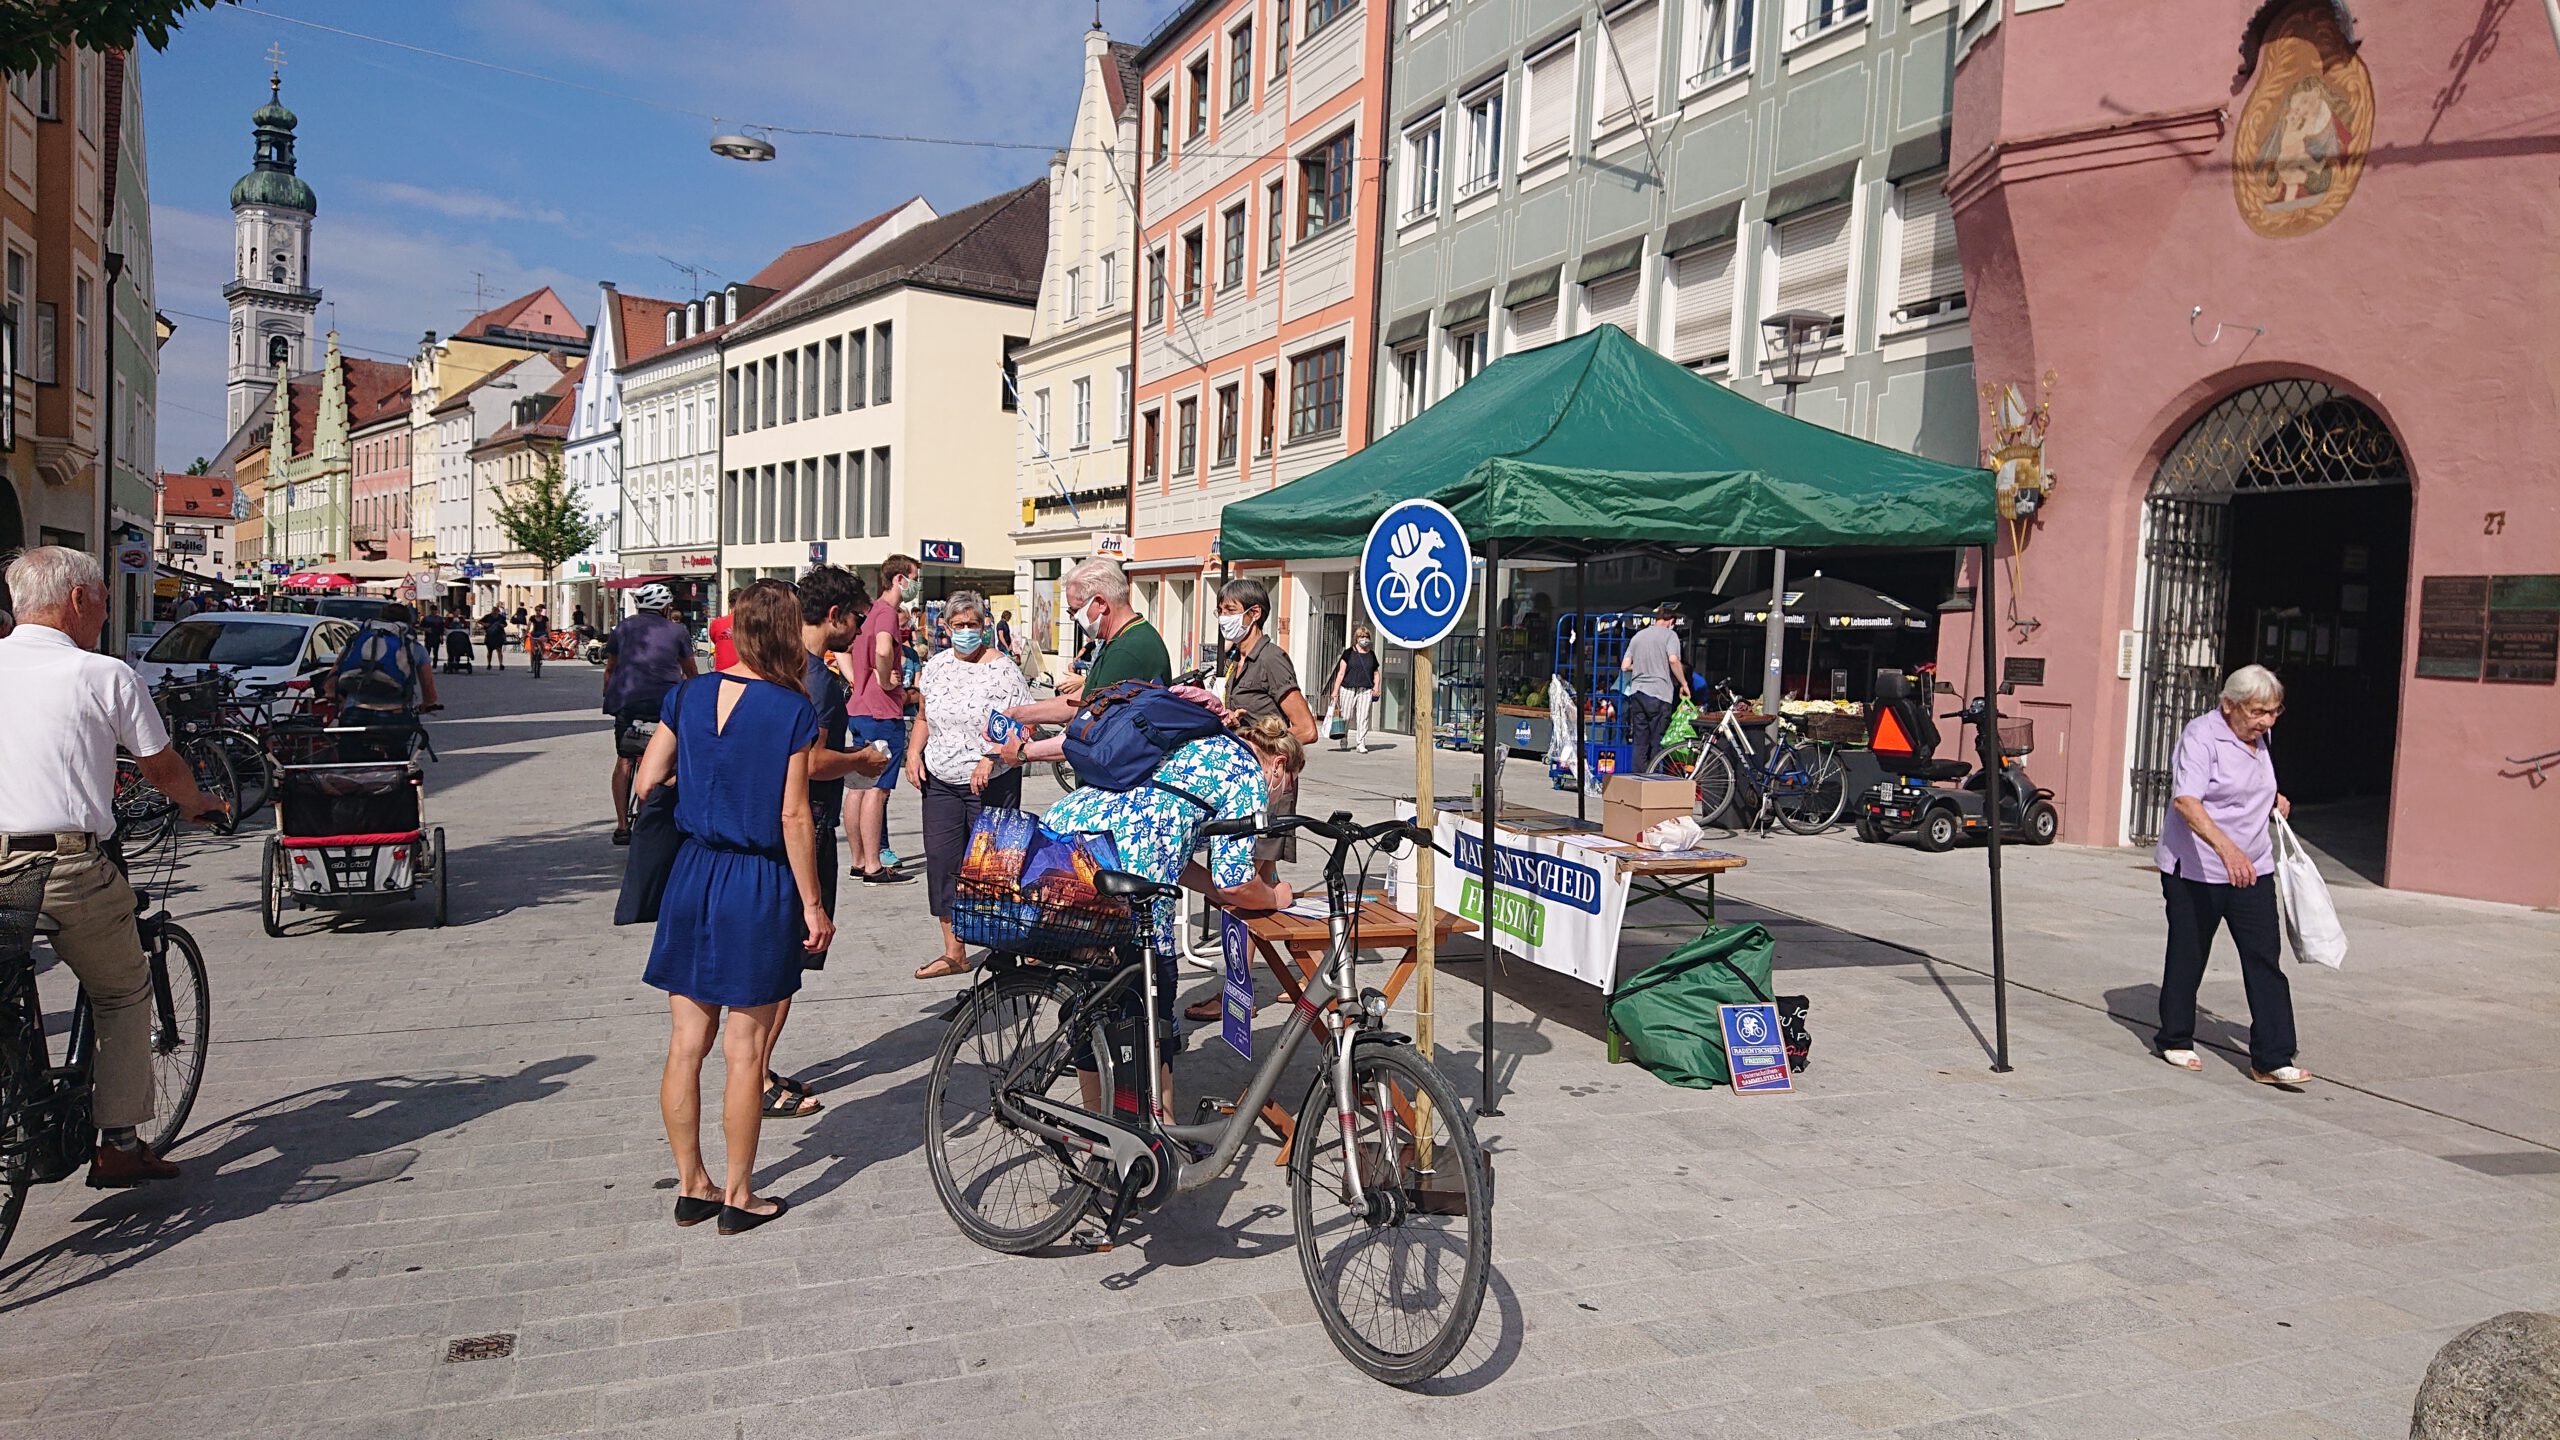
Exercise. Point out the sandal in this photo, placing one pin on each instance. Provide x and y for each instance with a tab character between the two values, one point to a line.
621	835
781	1104
775	1080
943	967
2281	1075
2183	1059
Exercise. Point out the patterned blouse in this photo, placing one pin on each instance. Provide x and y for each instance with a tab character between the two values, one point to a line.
957	696
1153	827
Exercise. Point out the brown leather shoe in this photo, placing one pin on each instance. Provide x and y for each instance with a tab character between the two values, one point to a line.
115	1168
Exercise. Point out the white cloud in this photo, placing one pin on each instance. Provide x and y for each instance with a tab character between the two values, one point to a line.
459	204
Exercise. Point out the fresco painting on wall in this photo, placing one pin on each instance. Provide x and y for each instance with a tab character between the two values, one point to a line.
2305	128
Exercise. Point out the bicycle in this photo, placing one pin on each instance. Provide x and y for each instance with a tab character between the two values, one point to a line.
1799	783
46	1125
1388	1186
220	753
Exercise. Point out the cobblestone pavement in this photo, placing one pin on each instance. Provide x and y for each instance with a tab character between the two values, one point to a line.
410	1136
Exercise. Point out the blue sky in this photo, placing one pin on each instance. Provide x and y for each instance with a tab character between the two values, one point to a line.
435	178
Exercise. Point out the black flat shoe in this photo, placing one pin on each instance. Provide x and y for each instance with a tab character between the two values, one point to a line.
691	1212
734	1221
884	877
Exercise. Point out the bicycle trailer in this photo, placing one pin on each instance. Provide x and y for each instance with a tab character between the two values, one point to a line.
350	823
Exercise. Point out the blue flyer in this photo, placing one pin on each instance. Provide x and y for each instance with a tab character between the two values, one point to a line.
1754	1050
1236	997
1002	727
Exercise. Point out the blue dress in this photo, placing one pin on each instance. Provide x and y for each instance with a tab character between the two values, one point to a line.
729	928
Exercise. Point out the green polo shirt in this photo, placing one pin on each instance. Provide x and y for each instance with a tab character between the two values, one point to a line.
1136	653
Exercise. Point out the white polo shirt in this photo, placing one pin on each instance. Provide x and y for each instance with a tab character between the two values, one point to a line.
63	712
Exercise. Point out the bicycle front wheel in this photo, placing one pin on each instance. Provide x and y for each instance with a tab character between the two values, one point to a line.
180	1032
1400	1278
1813	792
144	817
249	772
215	777
1006	1188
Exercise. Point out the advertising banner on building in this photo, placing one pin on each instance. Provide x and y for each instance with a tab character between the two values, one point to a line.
1555	904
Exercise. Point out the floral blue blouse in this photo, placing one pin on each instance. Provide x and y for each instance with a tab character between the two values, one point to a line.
1153	827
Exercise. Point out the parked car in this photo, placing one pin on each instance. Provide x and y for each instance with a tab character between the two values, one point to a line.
255	647
358	608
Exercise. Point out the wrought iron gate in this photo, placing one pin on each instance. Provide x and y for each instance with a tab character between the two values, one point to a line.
2281	436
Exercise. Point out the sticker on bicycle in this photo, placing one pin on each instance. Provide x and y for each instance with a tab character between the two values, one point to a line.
1755	1050
1415	572
1235	996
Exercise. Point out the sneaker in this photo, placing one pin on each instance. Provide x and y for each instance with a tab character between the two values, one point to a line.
888	858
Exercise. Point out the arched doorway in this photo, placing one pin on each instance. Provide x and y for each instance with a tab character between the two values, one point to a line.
2277	532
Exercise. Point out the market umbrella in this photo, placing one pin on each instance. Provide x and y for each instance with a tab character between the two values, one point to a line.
1825	603
316	580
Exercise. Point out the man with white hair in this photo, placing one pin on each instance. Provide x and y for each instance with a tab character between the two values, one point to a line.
1126	647
69	708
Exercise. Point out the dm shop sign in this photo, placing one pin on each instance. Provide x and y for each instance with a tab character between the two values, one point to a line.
1555	905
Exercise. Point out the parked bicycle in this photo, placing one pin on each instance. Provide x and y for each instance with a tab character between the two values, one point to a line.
1391	1198
46	1126
1793	781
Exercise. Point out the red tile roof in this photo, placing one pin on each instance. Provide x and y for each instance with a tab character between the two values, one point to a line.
1120	80
376	391
204	495
551	422
306	412
640	325
994	250
541	312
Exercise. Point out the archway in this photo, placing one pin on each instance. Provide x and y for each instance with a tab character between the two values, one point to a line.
2277	532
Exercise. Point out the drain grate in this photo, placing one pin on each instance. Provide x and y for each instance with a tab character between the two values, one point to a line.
480	1347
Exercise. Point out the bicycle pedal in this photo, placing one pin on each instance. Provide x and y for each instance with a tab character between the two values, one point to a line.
1209	1106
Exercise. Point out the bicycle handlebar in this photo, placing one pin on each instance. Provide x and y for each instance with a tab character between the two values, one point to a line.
1341	830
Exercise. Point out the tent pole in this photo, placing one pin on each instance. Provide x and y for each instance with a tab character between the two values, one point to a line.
1987	745
1579	670
1491	805
1772	684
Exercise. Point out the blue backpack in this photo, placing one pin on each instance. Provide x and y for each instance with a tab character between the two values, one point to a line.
1124	732
376	668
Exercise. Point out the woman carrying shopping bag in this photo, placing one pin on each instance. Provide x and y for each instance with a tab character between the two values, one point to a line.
2216	866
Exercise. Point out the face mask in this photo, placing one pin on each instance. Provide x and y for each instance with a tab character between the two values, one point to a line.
1362	642
968	639
1231	628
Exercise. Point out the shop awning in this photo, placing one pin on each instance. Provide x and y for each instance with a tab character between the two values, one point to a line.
1598	444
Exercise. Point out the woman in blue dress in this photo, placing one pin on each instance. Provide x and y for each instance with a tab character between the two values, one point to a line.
742	900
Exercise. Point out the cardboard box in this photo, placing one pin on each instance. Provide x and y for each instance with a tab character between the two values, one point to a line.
1634	804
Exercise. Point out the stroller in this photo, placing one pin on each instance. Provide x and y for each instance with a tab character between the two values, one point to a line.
457	650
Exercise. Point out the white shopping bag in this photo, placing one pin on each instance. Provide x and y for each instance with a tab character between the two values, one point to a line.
2310	921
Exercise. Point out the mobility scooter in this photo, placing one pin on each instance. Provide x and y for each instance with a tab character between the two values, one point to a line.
1942	800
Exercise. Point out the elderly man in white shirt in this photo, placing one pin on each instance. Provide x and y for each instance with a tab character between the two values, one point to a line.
68	709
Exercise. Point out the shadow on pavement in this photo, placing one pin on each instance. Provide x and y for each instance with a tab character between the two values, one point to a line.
317	1143
853	1133
2137	1009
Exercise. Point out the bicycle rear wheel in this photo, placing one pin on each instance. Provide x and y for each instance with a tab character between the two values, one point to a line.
1812	791
249	772
21	1086
1713	781
1006	1188
215	777
1400	1280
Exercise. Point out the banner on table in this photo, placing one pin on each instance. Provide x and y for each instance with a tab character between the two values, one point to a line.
1555	905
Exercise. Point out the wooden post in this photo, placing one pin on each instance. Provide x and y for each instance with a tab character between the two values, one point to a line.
1426	917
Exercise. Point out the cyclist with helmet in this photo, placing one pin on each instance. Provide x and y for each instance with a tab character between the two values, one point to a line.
644	657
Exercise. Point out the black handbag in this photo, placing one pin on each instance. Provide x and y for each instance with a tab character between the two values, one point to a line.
652	853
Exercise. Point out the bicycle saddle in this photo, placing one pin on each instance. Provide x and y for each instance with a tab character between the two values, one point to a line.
1123	885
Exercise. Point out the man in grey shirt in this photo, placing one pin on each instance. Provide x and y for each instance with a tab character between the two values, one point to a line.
1655	682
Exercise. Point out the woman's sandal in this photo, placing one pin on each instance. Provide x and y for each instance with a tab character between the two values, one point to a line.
691	1212
783	1100
943	967
734	1221
2183	1059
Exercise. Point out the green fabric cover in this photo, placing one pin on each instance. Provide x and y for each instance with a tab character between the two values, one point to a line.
1598	442
1667	1015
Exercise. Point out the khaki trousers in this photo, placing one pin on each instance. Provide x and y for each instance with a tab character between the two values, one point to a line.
89	899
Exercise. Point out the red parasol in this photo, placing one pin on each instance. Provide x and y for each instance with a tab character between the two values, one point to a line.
316	580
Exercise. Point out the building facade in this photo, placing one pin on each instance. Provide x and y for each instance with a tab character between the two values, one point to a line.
539	322
1075	382
271	296
468	555
379	440
197	516
870	413
629	328
2295	321
501	467
1260	213
133	334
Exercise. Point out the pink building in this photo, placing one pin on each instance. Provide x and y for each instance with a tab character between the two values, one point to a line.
378	444
2284	275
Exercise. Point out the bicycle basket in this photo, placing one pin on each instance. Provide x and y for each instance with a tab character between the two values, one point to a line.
21	899
185	700
2017	737
1025	922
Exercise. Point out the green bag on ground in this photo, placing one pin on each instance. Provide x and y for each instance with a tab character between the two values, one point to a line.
1667	1014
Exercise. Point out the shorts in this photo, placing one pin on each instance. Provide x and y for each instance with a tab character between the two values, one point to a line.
861	730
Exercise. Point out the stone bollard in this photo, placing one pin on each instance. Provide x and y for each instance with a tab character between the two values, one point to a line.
2498	1380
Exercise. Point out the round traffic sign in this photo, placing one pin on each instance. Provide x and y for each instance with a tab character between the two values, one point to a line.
1415	572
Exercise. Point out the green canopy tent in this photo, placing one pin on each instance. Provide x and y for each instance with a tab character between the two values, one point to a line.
1598	446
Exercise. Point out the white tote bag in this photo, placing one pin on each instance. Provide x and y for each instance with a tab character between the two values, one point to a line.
2310	921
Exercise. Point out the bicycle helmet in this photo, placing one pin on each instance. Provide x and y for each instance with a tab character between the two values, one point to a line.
654	597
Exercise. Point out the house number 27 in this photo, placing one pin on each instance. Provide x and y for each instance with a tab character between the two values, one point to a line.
2493	522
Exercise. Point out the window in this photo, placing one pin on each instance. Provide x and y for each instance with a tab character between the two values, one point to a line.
1466	355
1160	111
808	386
1149	460
788	491
1484	142
1267	419
1422	170
791	386
13	298
1075	291
1229	396
809	492
1110	280
1315	393
1083	393
1324	180
833	488
1630	63
1415	10
743	386
1195	267
1548	107
1010	388
1199	99
1413	381
1231	247
48	91
1280	38
854	501
1813	263
1155	287
772	391
1702	294
1120	422
1321	13
690	444
1723	32
1814	17
1533	322
1240	65
83	364
1040	419
767	494
881	348
1612	301
1275	210
1929	280
857	370
880	491
835	387
1186	436
729	503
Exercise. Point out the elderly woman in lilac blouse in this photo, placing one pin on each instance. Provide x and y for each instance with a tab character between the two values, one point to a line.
2216	869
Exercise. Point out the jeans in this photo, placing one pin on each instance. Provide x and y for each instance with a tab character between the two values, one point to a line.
2196	909
1647	717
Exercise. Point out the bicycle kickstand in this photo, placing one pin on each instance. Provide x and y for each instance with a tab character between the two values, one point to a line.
1121	1200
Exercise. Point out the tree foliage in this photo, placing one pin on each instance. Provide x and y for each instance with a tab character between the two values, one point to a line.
34	31
541	517
199	466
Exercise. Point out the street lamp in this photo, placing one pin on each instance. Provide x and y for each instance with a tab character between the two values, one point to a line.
1793	341
741	146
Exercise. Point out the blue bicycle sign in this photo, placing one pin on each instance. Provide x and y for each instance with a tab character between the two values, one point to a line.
1414	573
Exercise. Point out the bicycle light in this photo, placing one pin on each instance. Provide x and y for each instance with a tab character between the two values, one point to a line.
1373	1003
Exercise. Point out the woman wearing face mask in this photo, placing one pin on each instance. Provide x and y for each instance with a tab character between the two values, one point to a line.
1262	684
1354	685
950	761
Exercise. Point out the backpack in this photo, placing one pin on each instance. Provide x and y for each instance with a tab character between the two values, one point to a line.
376	666
1120	736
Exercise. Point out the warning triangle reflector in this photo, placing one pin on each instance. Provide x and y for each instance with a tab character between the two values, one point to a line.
1890	737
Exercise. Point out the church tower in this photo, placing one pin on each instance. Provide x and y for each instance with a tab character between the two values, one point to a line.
271	295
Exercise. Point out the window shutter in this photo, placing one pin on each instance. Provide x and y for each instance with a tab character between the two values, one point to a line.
1550	101
1613	301
1637	30
1813	262
1702	305
1533	322
1930	270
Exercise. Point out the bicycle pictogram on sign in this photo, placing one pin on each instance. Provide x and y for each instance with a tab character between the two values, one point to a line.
1414	573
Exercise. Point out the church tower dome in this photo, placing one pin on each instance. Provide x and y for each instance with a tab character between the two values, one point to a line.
272	299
